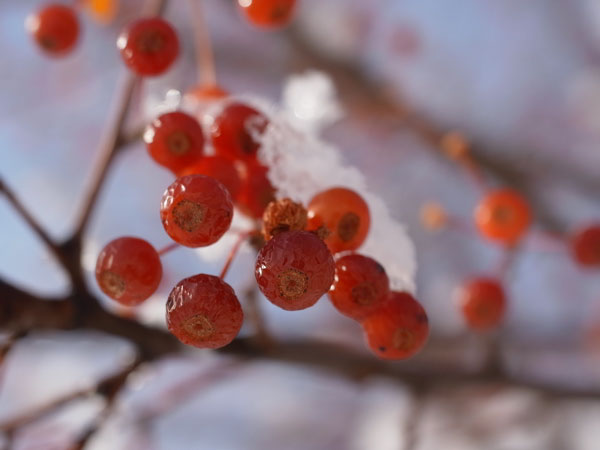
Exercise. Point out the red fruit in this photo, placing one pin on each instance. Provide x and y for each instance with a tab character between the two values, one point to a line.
203	311
256	192
294	270
585	245
221	169
175	140
196	210
55	28
360	286
503	215
268	13
149	46
345	215
398	329
236	131
483	303
128	270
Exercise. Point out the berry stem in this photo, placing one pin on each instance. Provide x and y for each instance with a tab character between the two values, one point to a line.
205	59
167	248
236	246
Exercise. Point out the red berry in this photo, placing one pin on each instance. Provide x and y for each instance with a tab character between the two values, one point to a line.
204	311
221	169
585	245
55	28
256	192
196	210
398	329
294	270
175	140
149	46
345	215
503	215
128	270
268	13
483	303
236	130
360	286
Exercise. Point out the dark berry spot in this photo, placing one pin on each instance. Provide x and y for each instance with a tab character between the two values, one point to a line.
292	283
150	42
198	327
48	42
178	143
364	293
188	215
502	215
279	12
348	226
382	349
422	318
113	284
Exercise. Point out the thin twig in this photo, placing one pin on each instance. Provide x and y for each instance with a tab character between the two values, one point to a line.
236	246
205	58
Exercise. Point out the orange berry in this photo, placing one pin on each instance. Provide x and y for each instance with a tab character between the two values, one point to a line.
503	215
482	302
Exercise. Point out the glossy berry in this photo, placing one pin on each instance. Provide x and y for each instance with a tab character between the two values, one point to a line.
221	169
503	216
128	270
256	191
175	140
196	210
55	28
483	303
398	329
236	131
585	245
344	214
268	13
149	46
360	286
294	269
204	311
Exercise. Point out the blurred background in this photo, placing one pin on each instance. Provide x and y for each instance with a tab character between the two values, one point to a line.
520	79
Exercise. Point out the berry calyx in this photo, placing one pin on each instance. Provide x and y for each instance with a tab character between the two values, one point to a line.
268	13
345	215
236	131
360	286
585	245
175	140
503	215
398	329
128	270
204	311
482	303
256	191
221	169
196	210
54	28
294	270
149	46
283	215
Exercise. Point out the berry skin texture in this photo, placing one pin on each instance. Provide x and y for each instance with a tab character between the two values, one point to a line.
256	192
204	311
149	46
294	269
397	330
235	131
128	270
196	210
360	286
483	303
221	169
345	215
268	13
283	215
175	140
55	29
503	216
585	246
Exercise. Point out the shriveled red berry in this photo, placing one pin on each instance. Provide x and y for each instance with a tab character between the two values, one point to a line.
196	210
398	329
503	215
483	303
175	140
345	215
128	270
283	215
360	286
204	311
221	169
268	13
585	246
256	191
294	270
236	131
149	46
55	28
